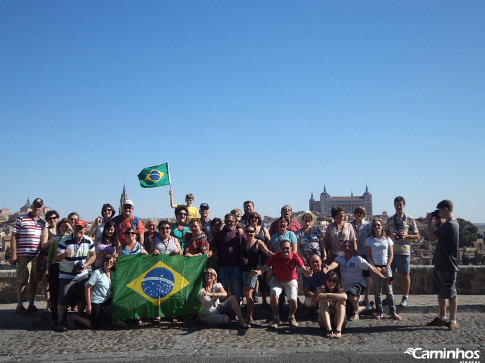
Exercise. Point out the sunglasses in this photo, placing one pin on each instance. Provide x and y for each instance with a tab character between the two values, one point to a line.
51	218
250	231
182	214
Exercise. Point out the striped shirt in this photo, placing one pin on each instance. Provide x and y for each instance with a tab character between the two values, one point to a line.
81	251
27	233
405	224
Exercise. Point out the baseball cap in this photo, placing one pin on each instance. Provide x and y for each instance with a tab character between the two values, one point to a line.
204	206
129	202
80	222
38	201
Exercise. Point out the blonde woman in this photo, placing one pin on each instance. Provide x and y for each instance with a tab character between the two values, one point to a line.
214	312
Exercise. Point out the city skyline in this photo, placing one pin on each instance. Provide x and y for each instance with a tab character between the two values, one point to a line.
266	101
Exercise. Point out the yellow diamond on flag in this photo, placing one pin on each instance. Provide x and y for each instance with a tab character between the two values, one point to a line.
158	283
154	175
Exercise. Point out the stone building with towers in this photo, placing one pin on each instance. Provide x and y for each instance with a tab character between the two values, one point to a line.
123	199
326	202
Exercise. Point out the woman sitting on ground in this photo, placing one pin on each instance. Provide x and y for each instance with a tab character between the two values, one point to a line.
214	312
98	292
332	302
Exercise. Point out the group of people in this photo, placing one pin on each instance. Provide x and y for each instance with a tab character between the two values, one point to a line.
337	265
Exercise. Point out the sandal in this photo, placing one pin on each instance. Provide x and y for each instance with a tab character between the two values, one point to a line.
329	334
395	317
337	334
355	316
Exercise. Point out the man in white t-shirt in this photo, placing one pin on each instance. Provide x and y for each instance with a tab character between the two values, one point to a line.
351	278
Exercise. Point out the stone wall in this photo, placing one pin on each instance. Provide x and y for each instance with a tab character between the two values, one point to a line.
470	282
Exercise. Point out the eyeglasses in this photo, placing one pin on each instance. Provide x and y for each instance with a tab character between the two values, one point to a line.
250	231
128	206
51	218
182	214
165	228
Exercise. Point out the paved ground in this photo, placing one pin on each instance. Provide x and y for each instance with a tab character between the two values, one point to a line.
28	338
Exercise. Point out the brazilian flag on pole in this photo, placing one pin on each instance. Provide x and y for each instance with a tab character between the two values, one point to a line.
154	176
149	286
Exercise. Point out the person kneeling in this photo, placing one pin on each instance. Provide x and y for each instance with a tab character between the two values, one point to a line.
332	301
215	313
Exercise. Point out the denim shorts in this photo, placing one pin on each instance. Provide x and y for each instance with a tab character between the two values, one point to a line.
249	280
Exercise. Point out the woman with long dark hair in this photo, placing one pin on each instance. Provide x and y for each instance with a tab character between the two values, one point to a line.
332	306
107	243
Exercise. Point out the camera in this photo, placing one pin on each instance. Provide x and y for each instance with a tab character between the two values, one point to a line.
398	236
436	214
77	267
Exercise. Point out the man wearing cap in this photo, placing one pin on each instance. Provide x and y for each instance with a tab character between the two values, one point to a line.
204	217
293	226
74	254
29	236
128	220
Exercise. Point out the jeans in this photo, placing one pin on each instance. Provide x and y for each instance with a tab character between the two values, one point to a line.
232	275
380	285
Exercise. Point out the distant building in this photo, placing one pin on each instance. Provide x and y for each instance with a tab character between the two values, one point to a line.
326	202
123	199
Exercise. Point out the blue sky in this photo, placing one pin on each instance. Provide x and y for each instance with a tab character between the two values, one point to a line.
260	100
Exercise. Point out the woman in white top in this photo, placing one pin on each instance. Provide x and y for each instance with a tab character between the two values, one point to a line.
164	243
379	254
214	312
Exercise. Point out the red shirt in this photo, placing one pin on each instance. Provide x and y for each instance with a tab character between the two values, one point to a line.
285	270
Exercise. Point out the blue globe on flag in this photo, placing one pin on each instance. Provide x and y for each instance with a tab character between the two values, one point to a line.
158	283
155	175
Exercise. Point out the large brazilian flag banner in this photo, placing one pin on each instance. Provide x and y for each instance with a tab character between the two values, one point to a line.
148	286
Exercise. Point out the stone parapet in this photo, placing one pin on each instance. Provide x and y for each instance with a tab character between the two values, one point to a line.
469	282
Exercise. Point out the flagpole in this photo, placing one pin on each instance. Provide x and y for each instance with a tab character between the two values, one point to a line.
169	180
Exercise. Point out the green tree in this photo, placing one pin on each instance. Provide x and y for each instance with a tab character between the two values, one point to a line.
8	253
468	233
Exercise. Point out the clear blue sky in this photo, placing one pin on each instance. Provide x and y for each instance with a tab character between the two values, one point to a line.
260	100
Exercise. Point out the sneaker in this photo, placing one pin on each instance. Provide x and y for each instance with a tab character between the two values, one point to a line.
21	310
60	327
32	309
275	323
452	326
385	302
364	302
404	301
438	322
293	322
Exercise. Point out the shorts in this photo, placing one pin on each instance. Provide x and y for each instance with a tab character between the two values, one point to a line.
356	290
219	317
27	269
365	273
444	282
309	303
71	290
249	280
401	264
290	287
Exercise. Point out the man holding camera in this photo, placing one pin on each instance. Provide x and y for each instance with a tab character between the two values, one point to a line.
75	253
402	229
445	261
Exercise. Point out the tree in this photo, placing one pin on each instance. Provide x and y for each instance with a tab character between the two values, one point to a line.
8	253
468	233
